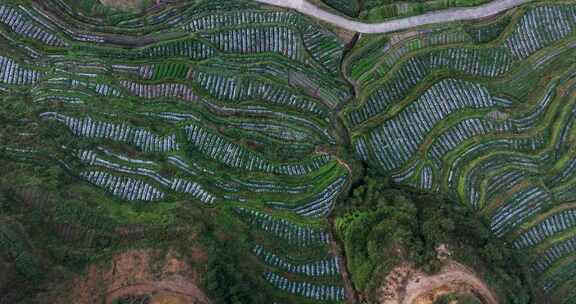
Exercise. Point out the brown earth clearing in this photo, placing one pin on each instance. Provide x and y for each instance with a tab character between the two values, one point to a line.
406	285
164	276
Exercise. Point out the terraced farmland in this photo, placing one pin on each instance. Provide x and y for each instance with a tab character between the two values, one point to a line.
490	124
228	112
265	119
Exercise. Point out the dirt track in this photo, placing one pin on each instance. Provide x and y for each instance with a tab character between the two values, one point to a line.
174	291
478	12
408	286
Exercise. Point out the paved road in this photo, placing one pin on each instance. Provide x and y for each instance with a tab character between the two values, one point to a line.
478	12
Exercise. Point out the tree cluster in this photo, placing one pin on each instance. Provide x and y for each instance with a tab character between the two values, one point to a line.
383	227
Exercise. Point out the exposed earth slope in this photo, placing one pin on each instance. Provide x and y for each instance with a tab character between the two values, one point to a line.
406	285
161	277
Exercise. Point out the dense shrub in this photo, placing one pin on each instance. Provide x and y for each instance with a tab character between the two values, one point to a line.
383	227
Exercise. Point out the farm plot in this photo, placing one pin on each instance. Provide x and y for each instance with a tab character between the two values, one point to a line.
317	271
24	25
14	74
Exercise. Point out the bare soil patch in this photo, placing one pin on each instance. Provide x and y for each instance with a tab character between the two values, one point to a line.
406	285
164	276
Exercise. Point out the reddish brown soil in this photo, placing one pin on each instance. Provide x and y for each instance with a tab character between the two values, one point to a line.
166	277
406	285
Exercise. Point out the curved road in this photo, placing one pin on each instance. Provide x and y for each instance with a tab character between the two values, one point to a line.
477	12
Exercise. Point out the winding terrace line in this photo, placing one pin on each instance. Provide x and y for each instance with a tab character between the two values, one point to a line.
458	14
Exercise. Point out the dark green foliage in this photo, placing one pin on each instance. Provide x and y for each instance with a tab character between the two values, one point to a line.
29	267
78	212
170	70
14	247
370	4
383	227
347	7
483	33
97	9
378	10
227	284
225	280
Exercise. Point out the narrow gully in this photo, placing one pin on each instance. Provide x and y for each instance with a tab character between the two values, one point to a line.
343	142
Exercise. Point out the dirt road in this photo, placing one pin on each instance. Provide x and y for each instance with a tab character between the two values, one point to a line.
408	286
478	12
